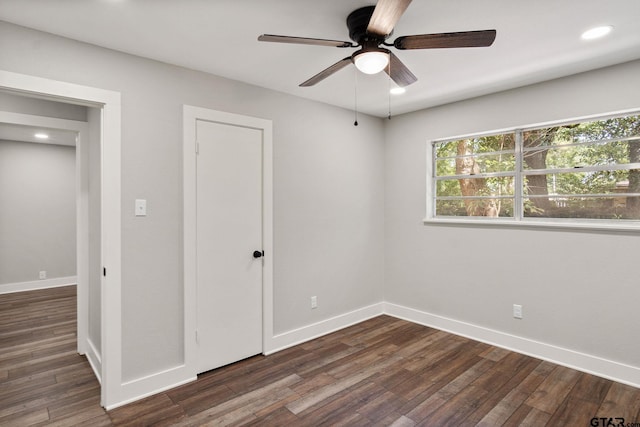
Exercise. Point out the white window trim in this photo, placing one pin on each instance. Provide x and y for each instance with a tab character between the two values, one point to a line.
519	221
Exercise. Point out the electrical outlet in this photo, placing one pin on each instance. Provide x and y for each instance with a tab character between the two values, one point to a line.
517	311
141	207
314	302
43	275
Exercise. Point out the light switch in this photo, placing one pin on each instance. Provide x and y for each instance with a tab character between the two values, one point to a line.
141	207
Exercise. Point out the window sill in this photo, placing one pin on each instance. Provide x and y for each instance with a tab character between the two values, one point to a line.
585	225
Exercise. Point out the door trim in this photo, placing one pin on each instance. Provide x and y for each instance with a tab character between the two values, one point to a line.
109	103
190	115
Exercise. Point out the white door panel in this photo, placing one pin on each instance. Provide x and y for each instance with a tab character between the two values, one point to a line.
229	230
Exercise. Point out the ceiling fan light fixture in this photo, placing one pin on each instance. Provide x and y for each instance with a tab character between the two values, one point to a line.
371	62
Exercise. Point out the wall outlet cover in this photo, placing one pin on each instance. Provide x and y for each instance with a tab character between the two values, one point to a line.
141	207
517	311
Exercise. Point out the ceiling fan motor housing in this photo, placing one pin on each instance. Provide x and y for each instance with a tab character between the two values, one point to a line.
357	22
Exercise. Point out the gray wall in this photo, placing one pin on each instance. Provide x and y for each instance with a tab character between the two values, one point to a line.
328	190
41	107
37	211
579	289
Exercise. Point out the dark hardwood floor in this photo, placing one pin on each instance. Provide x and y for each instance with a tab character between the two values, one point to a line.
380	372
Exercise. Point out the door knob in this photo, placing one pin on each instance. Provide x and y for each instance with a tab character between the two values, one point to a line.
257	254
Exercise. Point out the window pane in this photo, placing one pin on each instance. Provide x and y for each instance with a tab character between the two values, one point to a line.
476	145
614	207
599	142
597	182
561	156
493	186
610	143
504	162
475	207
472	156
591	131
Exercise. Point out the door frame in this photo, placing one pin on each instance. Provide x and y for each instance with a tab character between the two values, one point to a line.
111	391
191	115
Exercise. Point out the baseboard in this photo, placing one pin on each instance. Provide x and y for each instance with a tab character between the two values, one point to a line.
8	288
590	364
95	360
140	388
307	333
158	382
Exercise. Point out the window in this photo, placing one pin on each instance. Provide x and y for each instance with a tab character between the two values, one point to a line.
587	170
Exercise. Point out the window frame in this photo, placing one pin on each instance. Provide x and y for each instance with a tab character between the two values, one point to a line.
519	220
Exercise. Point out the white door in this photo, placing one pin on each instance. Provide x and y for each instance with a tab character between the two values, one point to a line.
229	230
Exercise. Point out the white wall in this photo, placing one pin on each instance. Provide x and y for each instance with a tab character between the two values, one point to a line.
37	212
328	190
579	289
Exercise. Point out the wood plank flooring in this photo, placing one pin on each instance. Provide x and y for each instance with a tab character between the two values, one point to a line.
382	372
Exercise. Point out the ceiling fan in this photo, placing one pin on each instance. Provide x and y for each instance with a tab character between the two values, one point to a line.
369	27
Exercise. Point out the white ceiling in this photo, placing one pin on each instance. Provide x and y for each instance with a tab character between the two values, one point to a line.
537	40
20	133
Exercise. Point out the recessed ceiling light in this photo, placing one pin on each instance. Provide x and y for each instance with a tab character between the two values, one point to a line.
597	32
398	90
41	136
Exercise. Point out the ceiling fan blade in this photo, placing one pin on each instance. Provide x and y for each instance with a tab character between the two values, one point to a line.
399	72
327	72
446	40
386	15
303	40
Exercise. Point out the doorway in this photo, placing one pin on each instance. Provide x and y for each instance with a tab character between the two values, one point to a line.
228	237
72	196
106	106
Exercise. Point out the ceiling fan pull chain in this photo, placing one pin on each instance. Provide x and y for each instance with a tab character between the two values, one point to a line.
389	91
355	95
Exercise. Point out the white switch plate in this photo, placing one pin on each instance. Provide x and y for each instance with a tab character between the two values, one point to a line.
517	311
141	207
314	302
